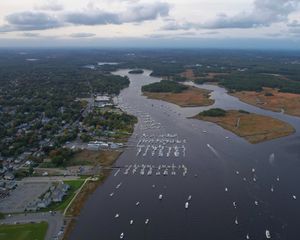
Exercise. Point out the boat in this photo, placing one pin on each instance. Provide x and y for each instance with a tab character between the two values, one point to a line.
234	204
272	189
268	234
160	196
122	236
117	215
247	236
294	197
226	189
189	198
131	222
236	222
256	203
137	203
111	194
186	205
147	221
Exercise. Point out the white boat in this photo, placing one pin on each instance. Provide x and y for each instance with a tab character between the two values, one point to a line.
160	196
294	197
131	222
117	215
236	222
147	221
234	204
272	189
253	170
122	236
247	236
189	198
226	189
111	194
256	203
268	234
137	203
186	205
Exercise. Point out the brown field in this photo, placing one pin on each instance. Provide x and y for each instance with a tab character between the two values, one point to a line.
103	158
193	97
288	103
190	75
254	128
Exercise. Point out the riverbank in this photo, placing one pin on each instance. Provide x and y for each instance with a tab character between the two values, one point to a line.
252	127
272	99
192	97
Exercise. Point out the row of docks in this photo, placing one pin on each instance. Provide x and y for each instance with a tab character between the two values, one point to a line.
162	145
149	170
161	151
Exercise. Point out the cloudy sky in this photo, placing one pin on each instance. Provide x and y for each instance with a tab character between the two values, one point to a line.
151	23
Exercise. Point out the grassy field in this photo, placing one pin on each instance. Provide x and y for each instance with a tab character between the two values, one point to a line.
255	128
273	100
31	231
88	157
193	97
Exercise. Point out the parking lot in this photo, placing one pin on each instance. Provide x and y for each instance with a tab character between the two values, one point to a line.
25	193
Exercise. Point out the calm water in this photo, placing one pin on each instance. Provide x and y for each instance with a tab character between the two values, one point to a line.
216	160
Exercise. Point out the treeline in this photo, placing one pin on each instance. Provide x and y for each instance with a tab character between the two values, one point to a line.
164	86
256	82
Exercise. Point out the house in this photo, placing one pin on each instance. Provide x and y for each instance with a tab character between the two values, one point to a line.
9	176
59	192
45	202
32	206
102	101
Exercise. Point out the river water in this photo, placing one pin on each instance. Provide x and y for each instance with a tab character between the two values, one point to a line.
235	190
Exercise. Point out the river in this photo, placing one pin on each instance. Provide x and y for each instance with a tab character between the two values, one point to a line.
235	190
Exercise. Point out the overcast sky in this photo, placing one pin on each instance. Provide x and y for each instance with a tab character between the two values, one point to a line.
151	23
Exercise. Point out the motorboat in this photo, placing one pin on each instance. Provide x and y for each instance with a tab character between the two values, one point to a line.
247	236
226	189
190	198
234	204
294	197
137	203
122	236
186	205
160	196
131	222
117	215
147	221
236	221
111	194
256	203
272	189
268	234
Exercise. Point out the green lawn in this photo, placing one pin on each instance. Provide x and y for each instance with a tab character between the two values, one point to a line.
31	231
74	186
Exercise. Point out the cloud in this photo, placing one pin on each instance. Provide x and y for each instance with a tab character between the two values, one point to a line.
133	14
82	35
264	13
28	21
294	23
137	12
50	5
30	34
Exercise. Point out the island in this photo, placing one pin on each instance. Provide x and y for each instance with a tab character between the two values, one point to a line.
136	71
179	94
253	127
272	99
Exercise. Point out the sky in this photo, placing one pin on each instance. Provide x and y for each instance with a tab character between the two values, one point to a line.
151	23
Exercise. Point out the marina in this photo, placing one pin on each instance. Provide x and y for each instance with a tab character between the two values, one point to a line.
181	178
